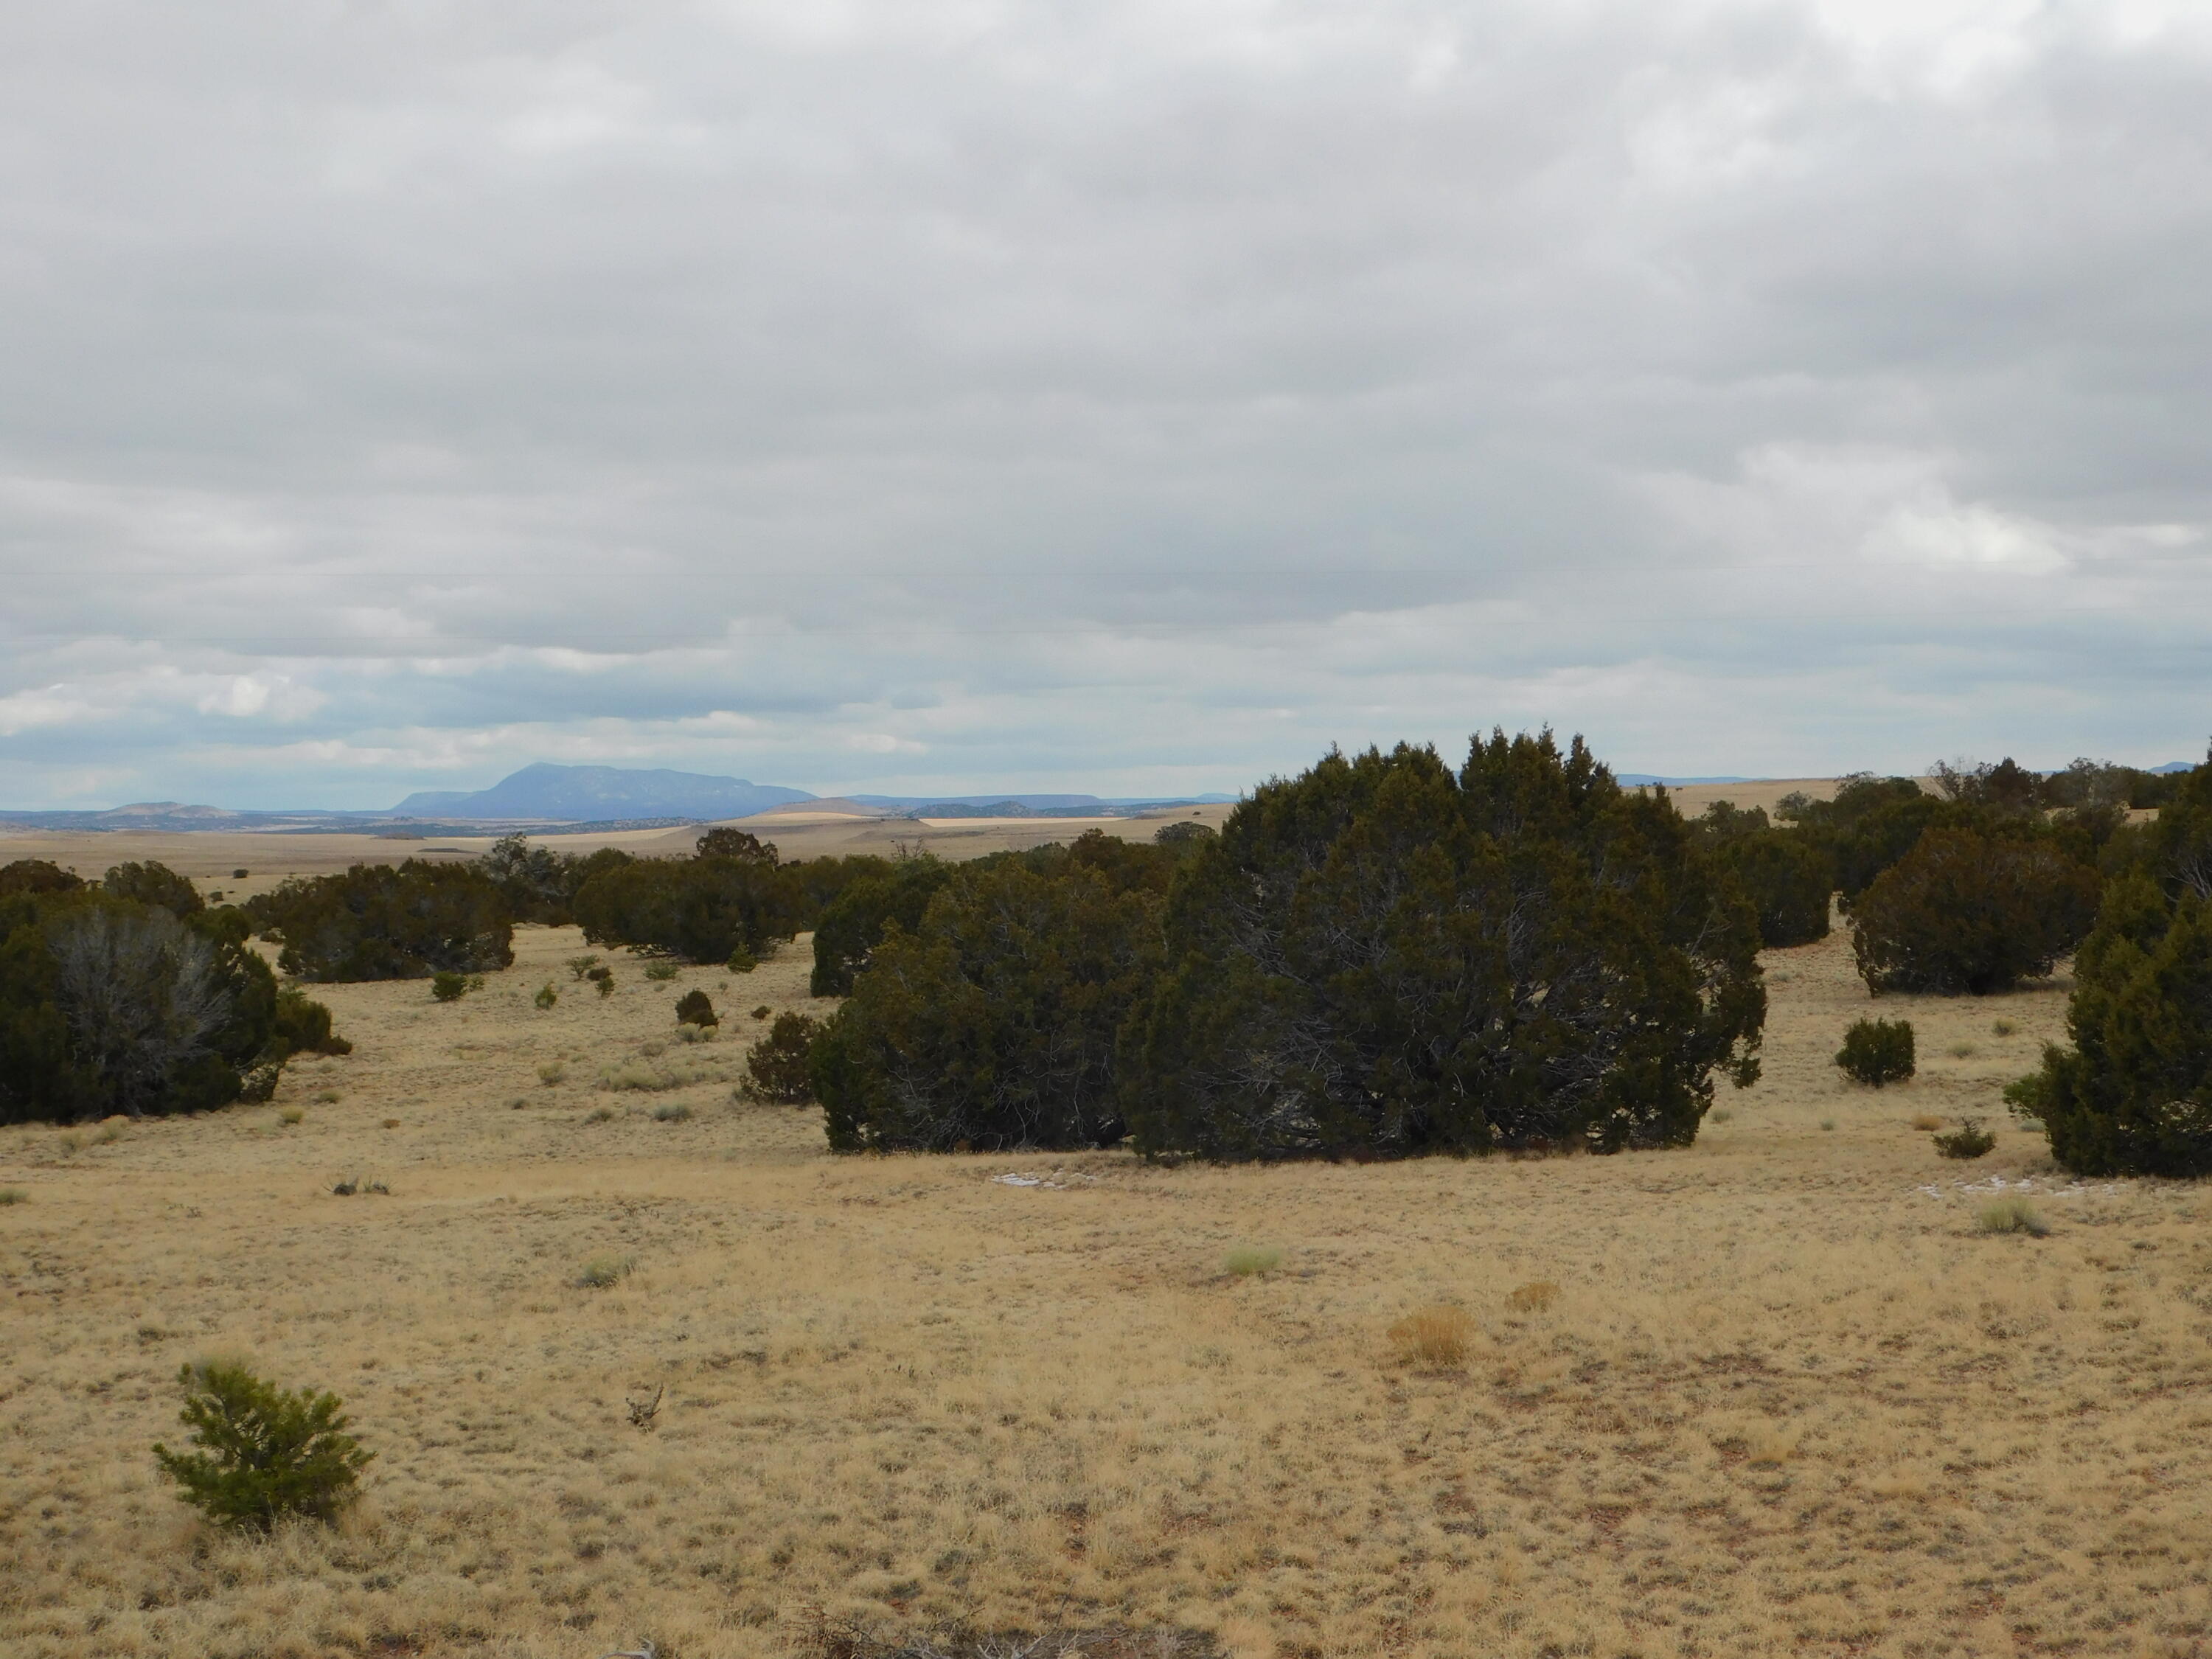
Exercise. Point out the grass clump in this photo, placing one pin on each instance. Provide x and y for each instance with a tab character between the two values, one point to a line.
2001	1028
660	972
352	1184
1969	1139
1877	1052
1249	1260
292	1116
13	1195
1926	1122
1827	1126
1538	1298
264	1453
1720	1115
392	1123
644	1077
674	1111
1437	1339
600	1115
551	1073
2010	1214
603	1272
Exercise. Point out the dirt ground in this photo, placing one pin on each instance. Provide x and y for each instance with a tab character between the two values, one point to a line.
1786	1398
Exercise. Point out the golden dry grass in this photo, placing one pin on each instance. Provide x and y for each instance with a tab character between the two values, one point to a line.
1787	1398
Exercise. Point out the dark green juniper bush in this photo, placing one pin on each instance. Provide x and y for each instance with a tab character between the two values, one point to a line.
263	1453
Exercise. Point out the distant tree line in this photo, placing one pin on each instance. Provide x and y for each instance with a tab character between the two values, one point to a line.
133	996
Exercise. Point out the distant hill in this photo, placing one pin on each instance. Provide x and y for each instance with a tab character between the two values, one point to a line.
546	790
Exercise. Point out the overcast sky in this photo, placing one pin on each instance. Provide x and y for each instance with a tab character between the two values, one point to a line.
1138	396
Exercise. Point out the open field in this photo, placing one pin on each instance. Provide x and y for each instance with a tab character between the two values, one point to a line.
1785	1399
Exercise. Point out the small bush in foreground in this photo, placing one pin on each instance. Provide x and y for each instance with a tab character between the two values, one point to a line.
264	1453
776	1069
604	1272
449	987
1437	1338
695	1008
2010	1215
1969	1139
1876	1051
1247	1261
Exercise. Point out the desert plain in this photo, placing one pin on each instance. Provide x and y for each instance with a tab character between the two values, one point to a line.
1771	1393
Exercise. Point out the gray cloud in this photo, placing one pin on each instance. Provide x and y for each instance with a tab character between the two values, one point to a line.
864	395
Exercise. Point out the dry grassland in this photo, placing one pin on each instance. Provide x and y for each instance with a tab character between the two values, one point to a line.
1784	1399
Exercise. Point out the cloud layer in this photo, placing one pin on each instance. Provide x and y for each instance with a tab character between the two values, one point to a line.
1143	397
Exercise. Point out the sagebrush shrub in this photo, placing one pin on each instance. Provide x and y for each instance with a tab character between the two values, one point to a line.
1969	1139
1876	1051
604	1272
264	1453
661	972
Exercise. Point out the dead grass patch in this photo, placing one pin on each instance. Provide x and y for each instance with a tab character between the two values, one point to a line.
1437	1339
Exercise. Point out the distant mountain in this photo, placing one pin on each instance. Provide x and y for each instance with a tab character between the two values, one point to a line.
545	791
2178	766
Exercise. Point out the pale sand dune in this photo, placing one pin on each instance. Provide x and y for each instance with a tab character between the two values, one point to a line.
1787	1400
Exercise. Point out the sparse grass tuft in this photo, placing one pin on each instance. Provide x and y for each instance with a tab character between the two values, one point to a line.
290	1116
1963	1051
352	1184
1827	1126
1969	1139
1720	1115
2001	1028
1249	1260
13	1195
1534	1299
2010	1214
327	1097
1436	1338
551	1073
392	1123
604	1272
1927	1121
674	1111
601	1115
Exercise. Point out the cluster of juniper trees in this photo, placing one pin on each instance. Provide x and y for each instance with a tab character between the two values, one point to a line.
1380	956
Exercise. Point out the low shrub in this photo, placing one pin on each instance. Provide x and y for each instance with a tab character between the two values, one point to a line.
1534	1299
648	1077
580	966
674	1111
604	1272
1962	1051
1926	1122
1877	1052
302	1026
2010	1214
1247	1261
777	1069
13	1195
392	1123
601	1115
604	982
661	972
449	987
1969	1139
547	996
760	1012
1437	1338
695	1008
352	1184
1827	1126
291	1116
239	875
551	1073
264	1453
2001	1028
